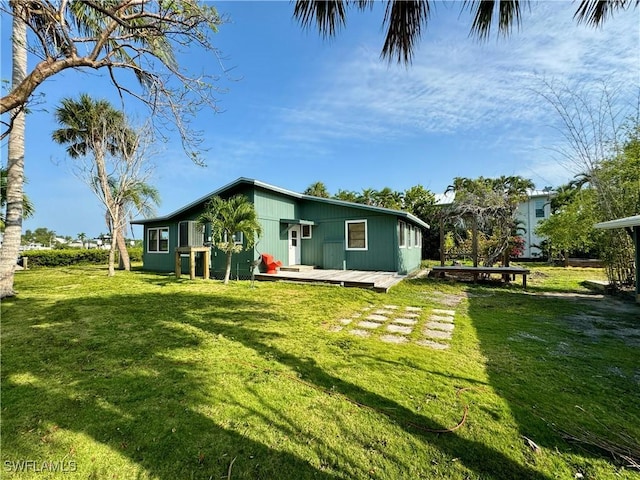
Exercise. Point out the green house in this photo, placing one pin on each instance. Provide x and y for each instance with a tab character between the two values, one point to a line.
297	229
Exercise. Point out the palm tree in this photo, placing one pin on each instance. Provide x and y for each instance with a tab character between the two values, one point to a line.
228	218
94	126
406	19
135	198
82	237
15	158
317	189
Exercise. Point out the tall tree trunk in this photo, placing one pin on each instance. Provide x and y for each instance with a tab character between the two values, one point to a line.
227	272
15	161
112	206
124	260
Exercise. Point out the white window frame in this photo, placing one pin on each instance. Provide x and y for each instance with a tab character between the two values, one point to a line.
346	235
410	236
418	238
302	235
402	234
159	235
541	209
235	241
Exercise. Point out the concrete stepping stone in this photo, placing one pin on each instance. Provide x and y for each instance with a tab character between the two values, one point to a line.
399	329
440	311
434	345
345	321
413	309
377	318
391	307
437	334
411	315
441	318
393	339
446	327
405	321
356	315
384	312
335	328
360	333
370	325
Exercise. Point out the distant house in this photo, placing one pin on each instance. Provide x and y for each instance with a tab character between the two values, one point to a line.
297	230
530	212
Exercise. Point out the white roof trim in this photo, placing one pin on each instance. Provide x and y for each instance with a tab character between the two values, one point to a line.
620	223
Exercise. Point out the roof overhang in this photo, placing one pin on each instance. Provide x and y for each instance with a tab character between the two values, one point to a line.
620	223
294	221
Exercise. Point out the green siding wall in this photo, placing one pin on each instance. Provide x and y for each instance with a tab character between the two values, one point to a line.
325	248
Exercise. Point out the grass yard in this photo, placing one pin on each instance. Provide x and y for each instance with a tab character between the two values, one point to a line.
143	376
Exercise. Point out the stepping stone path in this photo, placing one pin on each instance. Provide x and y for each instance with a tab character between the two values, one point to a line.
400	322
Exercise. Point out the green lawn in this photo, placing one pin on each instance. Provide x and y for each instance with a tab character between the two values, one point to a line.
143	376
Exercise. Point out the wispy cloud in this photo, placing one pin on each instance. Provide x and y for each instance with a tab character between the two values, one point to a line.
457	85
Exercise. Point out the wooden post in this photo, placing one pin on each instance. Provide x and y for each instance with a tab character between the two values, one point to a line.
636	240
206	264
192	264
178	264
474	241
442	259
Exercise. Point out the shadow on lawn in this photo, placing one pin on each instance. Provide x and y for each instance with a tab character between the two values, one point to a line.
126	385
557	377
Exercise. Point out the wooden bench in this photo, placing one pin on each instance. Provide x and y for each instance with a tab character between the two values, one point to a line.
475	271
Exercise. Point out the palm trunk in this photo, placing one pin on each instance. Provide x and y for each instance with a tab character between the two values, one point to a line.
124	260
227	272
15	163
112	207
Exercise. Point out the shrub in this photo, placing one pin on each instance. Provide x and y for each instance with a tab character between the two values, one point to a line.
75	256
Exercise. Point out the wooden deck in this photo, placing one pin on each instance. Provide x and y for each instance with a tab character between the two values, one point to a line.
376	281
475	271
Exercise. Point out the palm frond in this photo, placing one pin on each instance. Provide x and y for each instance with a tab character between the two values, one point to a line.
404	20
595	12
328	16
509	14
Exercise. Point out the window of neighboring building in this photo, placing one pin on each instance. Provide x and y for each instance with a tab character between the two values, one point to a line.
410	236
418	237
402	234
306	231
356	234
158	240
539	208
238	238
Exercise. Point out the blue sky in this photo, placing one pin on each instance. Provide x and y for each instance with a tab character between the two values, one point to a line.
296	109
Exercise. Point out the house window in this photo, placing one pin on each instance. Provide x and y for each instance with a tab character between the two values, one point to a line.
418	237
158	240
190	234
237	237
410	236
539	208
402	235
356	234
306	231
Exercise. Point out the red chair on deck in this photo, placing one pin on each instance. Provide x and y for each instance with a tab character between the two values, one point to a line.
271	264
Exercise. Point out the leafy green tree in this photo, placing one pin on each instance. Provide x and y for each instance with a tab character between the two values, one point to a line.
317	189
346	195
228	218
405	20
570	227
40	235
489	205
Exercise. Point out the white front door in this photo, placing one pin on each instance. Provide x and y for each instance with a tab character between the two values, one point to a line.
294	245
